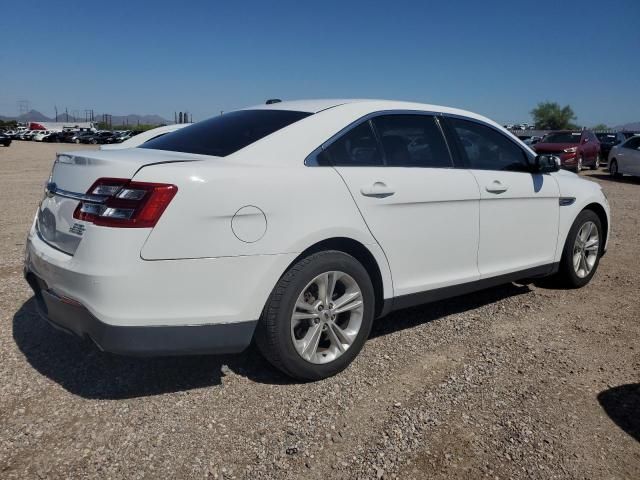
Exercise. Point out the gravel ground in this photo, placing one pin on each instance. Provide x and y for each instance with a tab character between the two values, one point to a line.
520	381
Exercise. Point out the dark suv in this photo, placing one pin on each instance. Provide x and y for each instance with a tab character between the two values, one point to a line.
576	149
607	142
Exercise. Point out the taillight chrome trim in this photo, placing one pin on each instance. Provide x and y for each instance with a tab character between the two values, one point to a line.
52	189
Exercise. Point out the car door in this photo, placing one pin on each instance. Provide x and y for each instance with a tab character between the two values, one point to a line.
629	160
519	210
422	212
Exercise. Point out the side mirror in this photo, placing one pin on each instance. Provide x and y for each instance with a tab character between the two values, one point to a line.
546	163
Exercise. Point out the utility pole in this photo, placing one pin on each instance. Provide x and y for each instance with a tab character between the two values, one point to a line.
66	112
56	109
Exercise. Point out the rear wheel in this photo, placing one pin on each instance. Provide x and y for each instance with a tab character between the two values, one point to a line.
596	164
318	316
582	249
613	168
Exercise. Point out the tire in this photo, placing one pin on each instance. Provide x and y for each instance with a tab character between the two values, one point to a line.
578	165
596	164
76	141
277	331
613	168
568	274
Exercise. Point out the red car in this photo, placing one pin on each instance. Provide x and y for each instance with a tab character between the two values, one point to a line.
576	149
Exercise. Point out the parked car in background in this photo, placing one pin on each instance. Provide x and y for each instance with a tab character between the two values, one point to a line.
5	139
29	134
287	223
101	137
630	134
607	142
624	158
576	149
40	135
140	138
54	137
82	137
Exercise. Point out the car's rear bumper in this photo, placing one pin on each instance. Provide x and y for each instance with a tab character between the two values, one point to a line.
72	317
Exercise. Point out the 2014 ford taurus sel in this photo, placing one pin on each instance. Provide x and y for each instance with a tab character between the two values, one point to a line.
298	223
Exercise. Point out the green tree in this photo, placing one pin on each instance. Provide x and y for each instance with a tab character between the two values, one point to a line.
600	126
551	116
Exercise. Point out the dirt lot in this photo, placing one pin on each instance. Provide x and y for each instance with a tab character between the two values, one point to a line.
514	382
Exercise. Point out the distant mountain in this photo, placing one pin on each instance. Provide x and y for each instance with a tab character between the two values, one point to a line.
633	126
131	119
30	116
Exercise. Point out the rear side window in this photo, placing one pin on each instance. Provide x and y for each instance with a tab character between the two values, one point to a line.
412	141
487	149
357	148
225	134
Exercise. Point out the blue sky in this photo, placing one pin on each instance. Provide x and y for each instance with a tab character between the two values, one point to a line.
498	58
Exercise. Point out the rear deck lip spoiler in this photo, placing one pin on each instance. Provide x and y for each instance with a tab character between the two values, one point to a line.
52	189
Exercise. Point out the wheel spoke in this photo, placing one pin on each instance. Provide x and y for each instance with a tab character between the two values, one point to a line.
323	283
340	335
345	299
583	263
311	345
304	316
349	306
576	261
302	305
592	245
332	278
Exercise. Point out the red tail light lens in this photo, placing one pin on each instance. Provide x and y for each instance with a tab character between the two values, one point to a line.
124	203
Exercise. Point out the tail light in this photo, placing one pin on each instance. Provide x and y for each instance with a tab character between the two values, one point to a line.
116	202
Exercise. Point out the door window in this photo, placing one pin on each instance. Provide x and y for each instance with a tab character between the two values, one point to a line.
412	141
357	148
633	143
487	149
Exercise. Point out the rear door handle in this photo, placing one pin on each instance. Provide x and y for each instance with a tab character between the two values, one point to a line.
497	187
378	190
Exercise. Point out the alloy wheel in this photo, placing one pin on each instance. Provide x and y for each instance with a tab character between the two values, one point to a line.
585	249
327	317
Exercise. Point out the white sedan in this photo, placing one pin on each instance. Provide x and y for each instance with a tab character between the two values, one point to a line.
625	157
297	224
139	139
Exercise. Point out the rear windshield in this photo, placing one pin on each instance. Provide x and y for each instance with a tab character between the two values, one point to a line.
606	137
563	137
225	134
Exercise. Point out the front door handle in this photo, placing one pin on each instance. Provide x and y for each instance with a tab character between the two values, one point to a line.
497	187
378	190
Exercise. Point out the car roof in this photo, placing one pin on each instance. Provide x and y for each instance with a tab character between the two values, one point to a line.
318	105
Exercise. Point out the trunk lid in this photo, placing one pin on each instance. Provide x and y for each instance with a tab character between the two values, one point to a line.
74	173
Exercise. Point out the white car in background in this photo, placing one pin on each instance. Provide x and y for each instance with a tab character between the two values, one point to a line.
40	135
624	158
139	139
297	224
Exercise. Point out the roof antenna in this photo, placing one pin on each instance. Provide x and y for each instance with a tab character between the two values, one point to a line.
271	101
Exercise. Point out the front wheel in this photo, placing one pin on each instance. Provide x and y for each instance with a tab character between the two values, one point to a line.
582	250
579	165
318	316
596	164
613	168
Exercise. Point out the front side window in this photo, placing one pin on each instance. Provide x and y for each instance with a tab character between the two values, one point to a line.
633	143
357	148
223	135
412	141
487	149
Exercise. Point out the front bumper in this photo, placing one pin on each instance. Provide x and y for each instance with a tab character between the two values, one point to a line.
71	317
